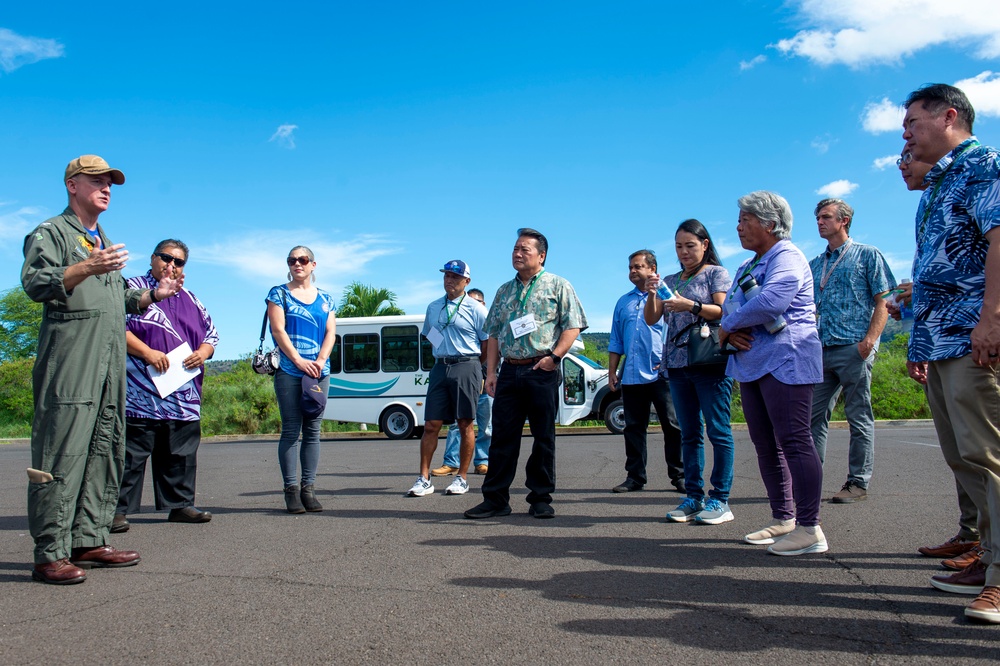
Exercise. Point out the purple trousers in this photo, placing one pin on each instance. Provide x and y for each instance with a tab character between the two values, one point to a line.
779	419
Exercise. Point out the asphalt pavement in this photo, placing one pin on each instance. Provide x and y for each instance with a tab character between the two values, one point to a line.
378	577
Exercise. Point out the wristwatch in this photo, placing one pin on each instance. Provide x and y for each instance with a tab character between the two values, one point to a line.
555	358
696	308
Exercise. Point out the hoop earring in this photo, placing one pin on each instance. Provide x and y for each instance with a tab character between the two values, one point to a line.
289	276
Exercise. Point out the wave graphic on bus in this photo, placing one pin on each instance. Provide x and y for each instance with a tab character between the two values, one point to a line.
340	388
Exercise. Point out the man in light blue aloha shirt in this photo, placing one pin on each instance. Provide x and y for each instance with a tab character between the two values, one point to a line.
849	282
955	343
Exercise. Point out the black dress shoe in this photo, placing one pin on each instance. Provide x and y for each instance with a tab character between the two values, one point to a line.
487	510
543	510
679	486
189	514
627	486
119	524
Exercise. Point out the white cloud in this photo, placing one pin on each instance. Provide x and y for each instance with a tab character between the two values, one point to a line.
883	163
418	294
837	189
983	90
17	51
857	33
821	144
900	266
882	116
725	249
753	62
285	136
15	224
337	262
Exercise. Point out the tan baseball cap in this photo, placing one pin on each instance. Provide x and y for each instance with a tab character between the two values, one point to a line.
92	164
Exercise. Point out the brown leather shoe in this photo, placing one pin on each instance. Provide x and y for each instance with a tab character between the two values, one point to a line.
444	470
849	494
189	514
482	469
986	607
60	572
950	548
969	580
963	560
103	556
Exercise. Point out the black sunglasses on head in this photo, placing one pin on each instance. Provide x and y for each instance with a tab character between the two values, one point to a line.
168	258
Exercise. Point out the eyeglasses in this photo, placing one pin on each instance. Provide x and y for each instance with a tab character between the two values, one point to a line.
301	261
905	159
169	258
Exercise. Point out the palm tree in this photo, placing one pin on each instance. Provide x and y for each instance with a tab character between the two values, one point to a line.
362	300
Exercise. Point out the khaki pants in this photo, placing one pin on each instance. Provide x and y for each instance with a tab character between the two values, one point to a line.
965	401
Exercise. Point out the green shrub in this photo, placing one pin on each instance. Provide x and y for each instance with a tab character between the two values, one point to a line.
16	401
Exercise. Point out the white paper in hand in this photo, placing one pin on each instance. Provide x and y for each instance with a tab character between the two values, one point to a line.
176	375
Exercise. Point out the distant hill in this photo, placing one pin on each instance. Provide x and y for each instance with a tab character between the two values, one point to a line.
213	368
599	340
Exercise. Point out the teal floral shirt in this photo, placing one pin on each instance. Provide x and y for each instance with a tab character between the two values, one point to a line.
549	299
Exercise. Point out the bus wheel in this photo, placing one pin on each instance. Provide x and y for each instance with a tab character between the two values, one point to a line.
614	417
397	423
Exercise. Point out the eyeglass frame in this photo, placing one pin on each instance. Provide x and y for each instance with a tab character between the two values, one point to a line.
905	158
302	260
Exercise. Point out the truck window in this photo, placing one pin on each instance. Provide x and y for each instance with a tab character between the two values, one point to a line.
573	378
361	352
400	348
335	360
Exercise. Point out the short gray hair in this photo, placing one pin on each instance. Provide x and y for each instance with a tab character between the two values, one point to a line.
771	209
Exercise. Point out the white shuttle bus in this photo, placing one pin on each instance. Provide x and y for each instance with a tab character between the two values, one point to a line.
380	367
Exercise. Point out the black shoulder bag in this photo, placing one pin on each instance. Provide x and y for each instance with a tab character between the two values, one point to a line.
266	362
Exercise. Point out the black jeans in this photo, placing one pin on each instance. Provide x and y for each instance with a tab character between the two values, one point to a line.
174	449
636	401
523	393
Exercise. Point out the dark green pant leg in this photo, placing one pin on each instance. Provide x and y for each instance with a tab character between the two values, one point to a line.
98	497
60	444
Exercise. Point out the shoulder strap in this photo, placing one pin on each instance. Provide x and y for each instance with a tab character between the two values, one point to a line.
263	324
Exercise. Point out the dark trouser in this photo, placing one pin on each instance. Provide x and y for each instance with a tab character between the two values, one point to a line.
173	446
778	417
523	393
636	400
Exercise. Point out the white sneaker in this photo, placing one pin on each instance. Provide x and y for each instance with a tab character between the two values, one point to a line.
714	513
458	487
421	487
800	541
777	528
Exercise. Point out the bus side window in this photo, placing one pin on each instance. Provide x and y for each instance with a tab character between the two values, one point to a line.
361	352
399	348
426	354
335	360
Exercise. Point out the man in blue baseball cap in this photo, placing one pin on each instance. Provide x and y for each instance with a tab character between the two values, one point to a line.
456	328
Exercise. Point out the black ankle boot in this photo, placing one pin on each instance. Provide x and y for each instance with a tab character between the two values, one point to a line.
292	502
308	497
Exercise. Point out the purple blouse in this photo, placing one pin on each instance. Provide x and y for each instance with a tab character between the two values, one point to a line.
793	355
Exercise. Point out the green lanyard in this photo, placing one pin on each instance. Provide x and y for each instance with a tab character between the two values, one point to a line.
678	287
531	287
453	312
934	192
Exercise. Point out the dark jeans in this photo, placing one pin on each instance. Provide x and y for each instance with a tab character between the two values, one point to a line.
636	400
778	417
173	446
288	390
523	393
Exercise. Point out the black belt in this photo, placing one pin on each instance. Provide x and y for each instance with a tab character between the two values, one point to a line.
451	360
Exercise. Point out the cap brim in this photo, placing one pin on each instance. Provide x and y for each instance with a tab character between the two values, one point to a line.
117	177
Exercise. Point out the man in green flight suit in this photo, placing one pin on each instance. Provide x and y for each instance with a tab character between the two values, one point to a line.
78	433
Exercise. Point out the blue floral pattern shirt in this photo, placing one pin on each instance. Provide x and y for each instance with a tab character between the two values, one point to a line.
961	205
305	324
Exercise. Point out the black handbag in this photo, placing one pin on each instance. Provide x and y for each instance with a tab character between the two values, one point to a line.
267	362
702	349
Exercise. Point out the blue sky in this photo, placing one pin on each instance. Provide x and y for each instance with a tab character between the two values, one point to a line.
391	137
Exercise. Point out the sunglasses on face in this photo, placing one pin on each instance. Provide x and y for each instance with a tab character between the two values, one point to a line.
301	261
169	258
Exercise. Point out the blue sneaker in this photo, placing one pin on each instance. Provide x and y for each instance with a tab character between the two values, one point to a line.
715	512
686	511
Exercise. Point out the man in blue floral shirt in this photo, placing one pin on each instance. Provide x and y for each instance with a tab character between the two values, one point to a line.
955	343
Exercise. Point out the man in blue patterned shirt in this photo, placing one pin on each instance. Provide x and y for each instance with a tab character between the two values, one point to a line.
849	281
642	384
955	343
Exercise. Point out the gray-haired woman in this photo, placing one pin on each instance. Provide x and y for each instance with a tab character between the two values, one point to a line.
769	315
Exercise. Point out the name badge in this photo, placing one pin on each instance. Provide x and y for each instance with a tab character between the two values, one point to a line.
523	325
435	337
